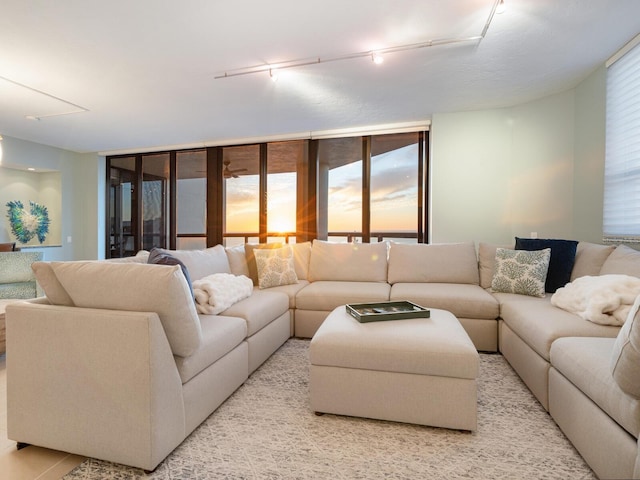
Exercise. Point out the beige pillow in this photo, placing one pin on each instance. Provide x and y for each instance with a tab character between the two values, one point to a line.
275	267
237	260
134	287
622	260
349	262
625	358
201	263
251	259
48	281
434	263
589	259
521	271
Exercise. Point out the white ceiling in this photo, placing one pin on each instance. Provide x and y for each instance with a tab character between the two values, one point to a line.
145	70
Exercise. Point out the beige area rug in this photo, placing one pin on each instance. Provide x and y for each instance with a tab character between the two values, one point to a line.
266	430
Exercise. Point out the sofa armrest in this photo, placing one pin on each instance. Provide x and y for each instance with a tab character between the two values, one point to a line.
99	383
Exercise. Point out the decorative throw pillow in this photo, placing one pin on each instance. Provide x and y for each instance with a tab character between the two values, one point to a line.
275	267
158	256
249	249
563	256
625	357
521	271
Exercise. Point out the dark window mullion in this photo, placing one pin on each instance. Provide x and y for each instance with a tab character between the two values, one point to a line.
366	189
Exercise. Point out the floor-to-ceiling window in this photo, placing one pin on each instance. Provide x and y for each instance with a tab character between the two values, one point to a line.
372	188
364	189
191	199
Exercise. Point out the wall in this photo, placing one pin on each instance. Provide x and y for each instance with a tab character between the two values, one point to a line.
536	167
81	181
25	186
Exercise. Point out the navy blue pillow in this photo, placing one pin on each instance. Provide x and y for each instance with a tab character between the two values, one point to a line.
159	257
563	256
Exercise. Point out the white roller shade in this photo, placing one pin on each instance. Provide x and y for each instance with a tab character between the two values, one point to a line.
622	162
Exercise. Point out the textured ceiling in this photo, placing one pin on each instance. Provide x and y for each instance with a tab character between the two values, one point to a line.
145	70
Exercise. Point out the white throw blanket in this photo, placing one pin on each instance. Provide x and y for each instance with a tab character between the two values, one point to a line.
215	293
604	299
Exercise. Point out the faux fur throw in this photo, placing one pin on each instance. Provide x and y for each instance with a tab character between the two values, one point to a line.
215	293
604	299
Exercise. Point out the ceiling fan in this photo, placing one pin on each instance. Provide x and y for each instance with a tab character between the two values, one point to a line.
228	173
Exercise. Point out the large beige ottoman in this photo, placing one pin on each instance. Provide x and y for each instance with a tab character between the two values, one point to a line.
419	370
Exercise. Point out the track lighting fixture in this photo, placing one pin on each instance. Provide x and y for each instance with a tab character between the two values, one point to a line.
375	55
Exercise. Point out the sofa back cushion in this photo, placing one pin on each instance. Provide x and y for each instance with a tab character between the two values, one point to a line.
625	358
349	262
15	267
622	260
487	262
16	276
201	263
131	287
433	263
589	259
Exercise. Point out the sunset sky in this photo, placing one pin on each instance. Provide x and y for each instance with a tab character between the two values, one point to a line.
393	199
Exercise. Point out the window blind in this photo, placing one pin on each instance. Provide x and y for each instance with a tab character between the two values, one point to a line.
622	158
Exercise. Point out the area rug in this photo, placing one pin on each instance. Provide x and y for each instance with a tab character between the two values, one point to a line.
266	430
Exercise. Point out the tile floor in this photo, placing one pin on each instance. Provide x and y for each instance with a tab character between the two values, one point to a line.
31	463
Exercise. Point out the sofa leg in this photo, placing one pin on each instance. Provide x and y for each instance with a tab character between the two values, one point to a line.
319	414
21	445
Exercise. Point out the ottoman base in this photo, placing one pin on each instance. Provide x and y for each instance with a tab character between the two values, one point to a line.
399	397
417	370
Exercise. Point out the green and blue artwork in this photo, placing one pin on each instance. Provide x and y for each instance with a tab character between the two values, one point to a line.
26	225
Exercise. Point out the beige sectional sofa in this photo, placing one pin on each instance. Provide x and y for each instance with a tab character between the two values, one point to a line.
563	359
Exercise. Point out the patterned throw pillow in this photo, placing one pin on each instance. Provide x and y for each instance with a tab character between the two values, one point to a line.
521	271
275	267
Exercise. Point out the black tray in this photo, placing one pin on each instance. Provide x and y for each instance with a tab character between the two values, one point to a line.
381	311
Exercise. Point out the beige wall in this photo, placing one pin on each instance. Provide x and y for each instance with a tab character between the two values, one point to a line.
536	167
81	195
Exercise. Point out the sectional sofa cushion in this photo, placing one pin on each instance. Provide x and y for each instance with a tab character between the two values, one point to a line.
275	267
623	260
563	256
625	359
463	300
487	262
438	263
327	295
259	309
585	363
539	324
220	335
520	271
134	287
589	259
201	263
348	262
